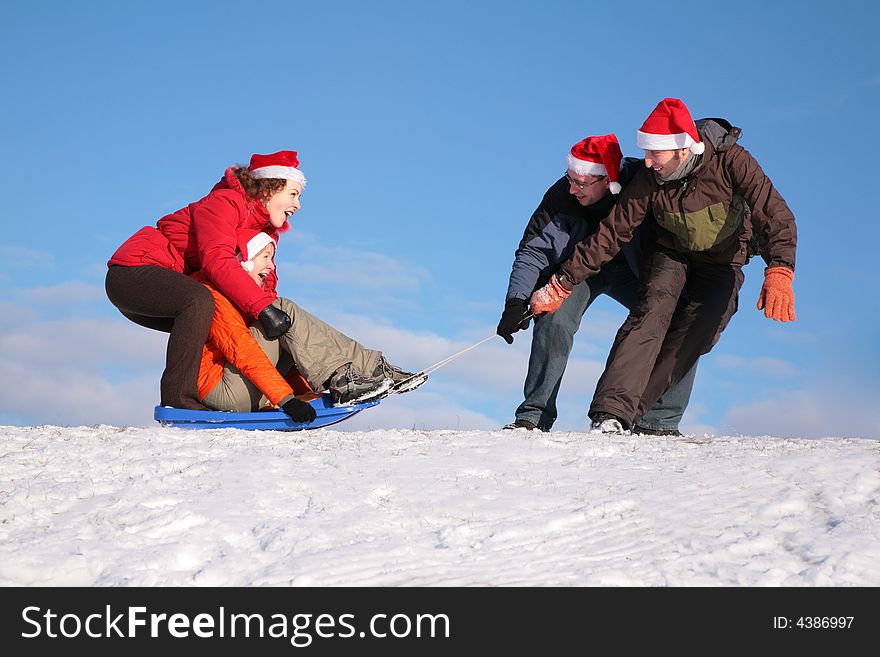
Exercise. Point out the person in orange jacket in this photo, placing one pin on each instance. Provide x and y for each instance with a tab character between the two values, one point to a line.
231	345
242	369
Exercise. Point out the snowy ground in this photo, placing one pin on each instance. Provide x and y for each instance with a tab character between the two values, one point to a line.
111	506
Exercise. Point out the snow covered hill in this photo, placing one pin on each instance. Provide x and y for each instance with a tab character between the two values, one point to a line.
107	506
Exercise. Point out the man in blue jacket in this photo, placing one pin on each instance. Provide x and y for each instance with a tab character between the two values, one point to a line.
569	212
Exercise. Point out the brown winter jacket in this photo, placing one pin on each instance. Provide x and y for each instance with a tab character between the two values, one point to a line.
702	213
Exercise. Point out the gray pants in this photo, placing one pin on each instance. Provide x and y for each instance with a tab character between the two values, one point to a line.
552	341
313	346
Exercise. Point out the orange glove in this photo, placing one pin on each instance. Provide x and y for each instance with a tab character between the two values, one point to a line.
777	297
549	298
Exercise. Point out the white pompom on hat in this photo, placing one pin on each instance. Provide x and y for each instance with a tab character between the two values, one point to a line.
597	156
283	165
250	243
668	128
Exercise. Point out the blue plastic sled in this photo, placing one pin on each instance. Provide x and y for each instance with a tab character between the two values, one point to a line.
275	420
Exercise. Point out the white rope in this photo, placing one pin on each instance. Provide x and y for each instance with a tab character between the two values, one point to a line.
449	359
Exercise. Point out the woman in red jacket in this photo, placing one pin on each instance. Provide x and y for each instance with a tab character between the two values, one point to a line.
147	278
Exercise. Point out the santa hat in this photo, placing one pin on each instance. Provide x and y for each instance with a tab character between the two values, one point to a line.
282	164
250	243
597	156
669	127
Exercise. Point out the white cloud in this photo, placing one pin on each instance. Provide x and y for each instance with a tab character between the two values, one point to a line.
763	365
814	413
84	343
67	396
68	292
345	267
18	256
698	429
15	315
77	371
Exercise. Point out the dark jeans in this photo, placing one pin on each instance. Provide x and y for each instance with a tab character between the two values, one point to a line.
661	340
552	341
163	300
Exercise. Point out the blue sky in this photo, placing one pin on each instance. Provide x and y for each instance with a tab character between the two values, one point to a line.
429	133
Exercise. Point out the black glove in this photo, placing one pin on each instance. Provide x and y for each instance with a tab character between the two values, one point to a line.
298	410
275	322
512	320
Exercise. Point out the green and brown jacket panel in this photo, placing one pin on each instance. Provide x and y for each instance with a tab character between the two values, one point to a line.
704	214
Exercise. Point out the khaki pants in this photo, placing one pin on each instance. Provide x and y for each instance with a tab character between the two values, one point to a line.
314	347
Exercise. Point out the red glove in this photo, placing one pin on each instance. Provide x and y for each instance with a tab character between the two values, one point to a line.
777	297
549	298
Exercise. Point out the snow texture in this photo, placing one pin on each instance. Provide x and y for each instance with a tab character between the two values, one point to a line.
108	506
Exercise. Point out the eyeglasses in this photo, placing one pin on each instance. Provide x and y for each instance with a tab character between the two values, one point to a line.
582	185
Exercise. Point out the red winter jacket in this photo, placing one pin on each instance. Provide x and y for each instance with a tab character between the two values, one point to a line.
202	237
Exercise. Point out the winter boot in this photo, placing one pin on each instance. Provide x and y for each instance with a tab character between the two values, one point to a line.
385	370
403	381
348	386
521	423
608	424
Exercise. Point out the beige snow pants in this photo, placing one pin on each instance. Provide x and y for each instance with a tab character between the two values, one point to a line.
313	346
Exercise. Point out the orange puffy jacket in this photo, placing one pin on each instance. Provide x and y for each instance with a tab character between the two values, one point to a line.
230	340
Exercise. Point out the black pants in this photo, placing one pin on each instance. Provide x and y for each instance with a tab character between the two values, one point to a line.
661	339
163	300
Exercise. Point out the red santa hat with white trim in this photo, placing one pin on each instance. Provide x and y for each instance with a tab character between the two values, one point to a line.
669	127
250	243
597	156
283	165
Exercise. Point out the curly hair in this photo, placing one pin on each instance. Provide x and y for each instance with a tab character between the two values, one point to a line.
260	189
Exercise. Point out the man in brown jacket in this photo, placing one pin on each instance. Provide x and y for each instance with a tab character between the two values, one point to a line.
699	186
